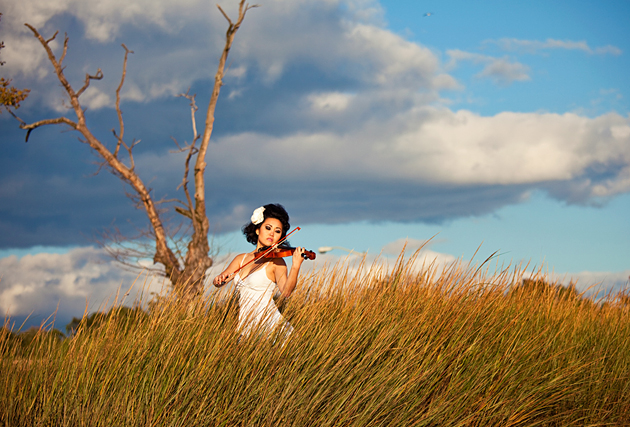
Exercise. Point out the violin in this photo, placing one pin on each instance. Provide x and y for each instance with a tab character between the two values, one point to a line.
267	252
272	252
281	252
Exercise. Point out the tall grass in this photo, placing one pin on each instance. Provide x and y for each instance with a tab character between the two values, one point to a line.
427	347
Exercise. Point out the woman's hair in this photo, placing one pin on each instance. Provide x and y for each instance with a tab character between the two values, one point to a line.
272	210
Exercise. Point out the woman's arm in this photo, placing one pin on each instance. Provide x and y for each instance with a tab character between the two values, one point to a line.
220	280
286	282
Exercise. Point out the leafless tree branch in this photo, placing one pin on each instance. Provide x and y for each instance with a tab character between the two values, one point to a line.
179	148
118	110
185	212
22	122
88	77
225	15
30	127
192	150
186	274
50	39
99	167
65	48
163	254
199	247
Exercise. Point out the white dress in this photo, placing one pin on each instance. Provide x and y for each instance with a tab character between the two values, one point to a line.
256	306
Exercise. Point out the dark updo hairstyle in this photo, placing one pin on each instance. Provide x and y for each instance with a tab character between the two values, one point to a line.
272	210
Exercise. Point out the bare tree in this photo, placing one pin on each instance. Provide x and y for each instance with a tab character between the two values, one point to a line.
185	267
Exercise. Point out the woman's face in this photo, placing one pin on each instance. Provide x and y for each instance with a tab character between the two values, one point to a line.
270	232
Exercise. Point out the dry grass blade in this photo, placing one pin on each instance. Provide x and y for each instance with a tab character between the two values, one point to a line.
373	346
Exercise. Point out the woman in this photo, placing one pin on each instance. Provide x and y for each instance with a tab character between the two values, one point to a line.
257	281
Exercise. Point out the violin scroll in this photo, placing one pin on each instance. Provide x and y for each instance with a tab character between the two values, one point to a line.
283	252
308	255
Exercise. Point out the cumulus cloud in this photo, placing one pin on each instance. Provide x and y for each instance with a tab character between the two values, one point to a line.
103	20
416	165
41	283
389	59
339	38
454	148
353	111
95	31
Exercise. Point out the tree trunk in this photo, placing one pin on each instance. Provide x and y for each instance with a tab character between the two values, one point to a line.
187	279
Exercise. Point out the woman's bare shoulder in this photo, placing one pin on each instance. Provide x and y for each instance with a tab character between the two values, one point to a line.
238	259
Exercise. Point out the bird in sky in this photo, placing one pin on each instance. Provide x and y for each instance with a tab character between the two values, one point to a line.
428	14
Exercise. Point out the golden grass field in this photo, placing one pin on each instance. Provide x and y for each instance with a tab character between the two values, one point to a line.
409	346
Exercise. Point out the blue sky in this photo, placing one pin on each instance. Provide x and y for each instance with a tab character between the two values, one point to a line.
495	125
561	79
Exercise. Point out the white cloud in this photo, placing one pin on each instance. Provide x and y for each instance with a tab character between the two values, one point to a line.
330	101
370	115
237	72
501	70
595	283
37	283
94	98
24	54
511	148
424	257
132	93
444	147
612	50
193	23
35	12
41	283
335	36
359	268
391	60
425	260
533	46
104	19
621	132
505	72
335	40
410	246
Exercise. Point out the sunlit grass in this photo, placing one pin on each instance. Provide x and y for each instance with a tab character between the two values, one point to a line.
412	347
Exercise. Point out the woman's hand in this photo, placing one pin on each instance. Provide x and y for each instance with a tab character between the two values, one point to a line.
229	272
286	282
298	259
220	280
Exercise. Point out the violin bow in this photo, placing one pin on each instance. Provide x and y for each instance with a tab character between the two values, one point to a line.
271	248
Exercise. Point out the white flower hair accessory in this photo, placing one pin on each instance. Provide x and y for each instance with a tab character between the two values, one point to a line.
257	216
